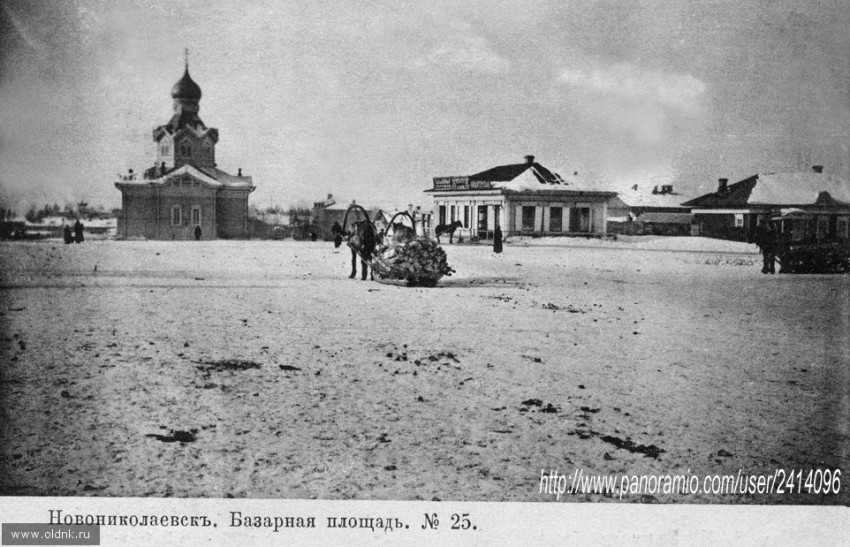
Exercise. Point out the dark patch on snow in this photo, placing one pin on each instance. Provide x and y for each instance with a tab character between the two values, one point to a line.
228	364
178	436
651	451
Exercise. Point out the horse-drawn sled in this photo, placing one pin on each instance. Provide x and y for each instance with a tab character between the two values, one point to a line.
397	256
805	254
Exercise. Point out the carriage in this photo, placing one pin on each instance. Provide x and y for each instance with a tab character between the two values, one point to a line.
799	249
396	256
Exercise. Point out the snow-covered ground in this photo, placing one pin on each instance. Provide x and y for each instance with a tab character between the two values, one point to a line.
286	379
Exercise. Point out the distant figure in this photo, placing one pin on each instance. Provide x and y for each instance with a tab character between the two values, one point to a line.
497	240
313	236
336	230
768	243
78	231
197	233
66	234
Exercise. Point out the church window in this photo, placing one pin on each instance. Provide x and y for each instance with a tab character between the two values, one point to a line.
176	215
196	215
841	227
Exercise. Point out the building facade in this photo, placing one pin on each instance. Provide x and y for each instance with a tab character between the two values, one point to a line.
805	204
639	211
522	199
184	194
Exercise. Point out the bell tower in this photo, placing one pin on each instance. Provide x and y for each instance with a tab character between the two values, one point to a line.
185	139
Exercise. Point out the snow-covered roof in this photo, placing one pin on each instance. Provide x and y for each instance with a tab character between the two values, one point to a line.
516	177
645	198
212	176
52	221
524	181
226	178
798	188
776	189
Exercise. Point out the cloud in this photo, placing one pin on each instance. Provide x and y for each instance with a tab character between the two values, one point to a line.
463	50
680	91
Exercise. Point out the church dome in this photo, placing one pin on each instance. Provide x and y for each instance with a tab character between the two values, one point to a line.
186	88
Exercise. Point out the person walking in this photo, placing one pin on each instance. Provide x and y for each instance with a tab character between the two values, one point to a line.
768	242
66	234
336	230
78	231
198	233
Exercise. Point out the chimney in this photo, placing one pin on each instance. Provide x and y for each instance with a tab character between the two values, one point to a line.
721	187
817	168
529	159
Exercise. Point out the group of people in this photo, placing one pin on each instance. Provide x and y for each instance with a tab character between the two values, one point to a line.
76	237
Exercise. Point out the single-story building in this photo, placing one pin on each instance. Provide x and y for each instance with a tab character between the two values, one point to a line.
665	224
820	200
328	212
522	199
662	203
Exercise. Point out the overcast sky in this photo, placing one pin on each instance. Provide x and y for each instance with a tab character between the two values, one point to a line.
371	99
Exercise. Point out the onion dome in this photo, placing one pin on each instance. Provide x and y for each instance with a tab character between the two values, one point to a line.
186	88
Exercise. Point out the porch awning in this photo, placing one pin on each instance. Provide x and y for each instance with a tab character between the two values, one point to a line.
792	213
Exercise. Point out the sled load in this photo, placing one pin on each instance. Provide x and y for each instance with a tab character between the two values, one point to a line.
402	257
813	257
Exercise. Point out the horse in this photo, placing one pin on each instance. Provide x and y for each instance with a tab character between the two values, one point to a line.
447	229
362	240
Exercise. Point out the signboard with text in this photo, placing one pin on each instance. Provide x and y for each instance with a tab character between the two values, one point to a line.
460	183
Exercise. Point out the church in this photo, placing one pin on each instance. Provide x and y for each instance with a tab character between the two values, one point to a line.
184	195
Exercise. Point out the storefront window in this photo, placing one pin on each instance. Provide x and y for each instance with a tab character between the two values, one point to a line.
556	219
482	218
580	219
528	218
